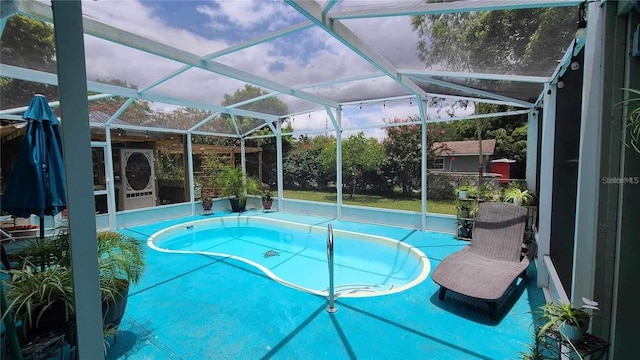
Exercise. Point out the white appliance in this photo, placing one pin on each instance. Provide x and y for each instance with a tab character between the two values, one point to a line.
138	178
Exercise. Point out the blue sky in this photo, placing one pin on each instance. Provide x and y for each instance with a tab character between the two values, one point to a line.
196	15
176	14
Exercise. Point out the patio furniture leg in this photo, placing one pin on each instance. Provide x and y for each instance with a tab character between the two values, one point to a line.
443	290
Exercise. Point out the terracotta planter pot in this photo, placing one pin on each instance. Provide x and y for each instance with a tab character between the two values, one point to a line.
207	205
266	204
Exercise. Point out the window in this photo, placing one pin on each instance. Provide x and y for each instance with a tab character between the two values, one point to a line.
436	164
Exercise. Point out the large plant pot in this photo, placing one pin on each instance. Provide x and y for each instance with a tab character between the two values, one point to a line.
207	205
464	231
113	310
238	205
570	332
54	318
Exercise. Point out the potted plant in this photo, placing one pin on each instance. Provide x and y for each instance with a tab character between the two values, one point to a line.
539	349
121	264
232	183
487	192
462	191
473	192
42	300
40	290
207	201
464	208
570	322
518	196
465	229
267	200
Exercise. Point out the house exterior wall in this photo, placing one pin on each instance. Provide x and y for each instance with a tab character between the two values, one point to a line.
465	163
617	249
626	281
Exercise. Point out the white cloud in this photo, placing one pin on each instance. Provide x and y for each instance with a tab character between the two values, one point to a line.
392	37
329	60
140	19
248	14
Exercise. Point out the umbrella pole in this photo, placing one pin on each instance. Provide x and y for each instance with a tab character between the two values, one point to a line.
41	227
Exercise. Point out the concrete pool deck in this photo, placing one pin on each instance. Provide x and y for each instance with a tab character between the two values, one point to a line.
190	306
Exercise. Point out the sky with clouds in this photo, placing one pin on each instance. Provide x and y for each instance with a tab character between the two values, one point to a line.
306	57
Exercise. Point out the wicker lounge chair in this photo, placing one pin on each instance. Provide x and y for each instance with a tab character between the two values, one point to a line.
493	261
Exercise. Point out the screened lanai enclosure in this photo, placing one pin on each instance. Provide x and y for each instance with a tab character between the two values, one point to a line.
166	94
341	99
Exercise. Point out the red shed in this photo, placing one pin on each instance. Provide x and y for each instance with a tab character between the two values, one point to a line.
502	167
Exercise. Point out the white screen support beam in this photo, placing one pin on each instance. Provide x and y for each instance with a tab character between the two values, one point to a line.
7	10
52	104
473	91
279	167
586	226
546	181
423	164
52	79
111	184
313	11
452	7
76	144
192	193
255	41
339	163
532	150
243	164
235	124
479	76
120	111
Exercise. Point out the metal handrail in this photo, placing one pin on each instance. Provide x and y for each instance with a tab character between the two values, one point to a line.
331	308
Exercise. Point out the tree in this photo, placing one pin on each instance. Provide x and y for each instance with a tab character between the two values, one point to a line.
273	106
304	165
509	132
525	41
359	155
403	147
27	43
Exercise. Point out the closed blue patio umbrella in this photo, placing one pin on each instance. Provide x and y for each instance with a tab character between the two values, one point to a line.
36	184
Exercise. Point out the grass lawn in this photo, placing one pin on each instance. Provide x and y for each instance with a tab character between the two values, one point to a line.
433	206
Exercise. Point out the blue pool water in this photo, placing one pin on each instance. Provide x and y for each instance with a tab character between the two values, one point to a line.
296	255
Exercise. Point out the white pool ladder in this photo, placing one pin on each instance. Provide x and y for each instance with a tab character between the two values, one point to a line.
331	308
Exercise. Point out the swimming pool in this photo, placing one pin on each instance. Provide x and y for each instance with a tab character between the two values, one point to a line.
295	254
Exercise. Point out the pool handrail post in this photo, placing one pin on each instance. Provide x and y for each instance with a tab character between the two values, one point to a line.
331	308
